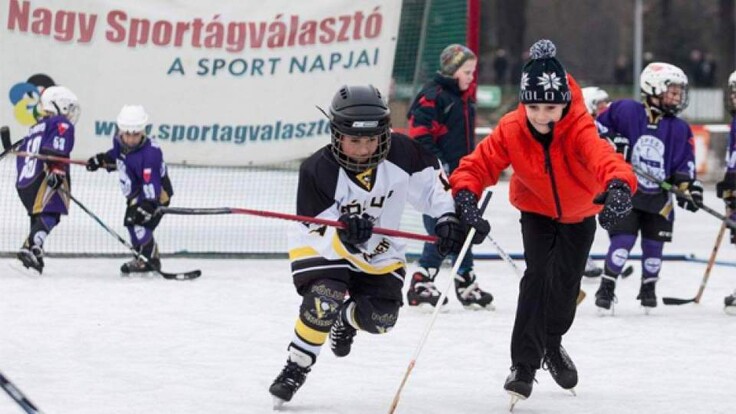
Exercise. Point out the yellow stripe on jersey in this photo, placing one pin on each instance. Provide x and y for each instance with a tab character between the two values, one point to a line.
42	197
360	264
302	253
310	335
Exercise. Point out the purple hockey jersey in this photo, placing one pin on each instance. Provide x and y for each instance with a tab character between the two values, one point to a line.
142	172
50	136
664	148
731	150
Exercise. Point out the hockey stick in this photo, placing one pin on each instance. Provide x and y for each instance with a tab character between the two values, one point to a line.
18	396
7	146
420	345
706	275
52	158
291	217
193	274
506	258
682	194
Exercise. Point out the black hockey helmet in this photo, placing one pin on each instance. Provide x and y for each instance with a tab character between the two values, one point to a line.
360	111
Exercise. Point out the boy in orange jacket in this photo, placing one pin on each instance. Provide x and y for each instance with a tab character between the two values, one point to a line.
560	167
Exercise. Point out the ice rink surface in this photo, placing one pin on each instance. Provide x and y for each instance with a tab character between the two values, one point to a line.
80	339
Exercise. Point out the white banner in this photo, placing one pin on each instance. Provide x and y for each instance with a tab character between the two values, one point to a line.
230	82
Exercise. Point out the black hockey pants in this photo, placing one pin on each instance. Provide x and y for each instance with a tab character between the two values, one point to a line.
555	255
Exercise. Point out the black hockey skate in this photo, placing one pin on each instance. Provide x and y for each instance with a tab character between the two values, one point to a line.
591	269
32	258
422	290
138	266
469	294
605	296
560	366
519	383
341	337
292	377
730	304
647	296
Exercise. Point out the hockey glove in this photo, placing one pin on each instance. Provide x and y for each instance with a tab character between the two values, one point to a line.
101	160
726	190
450	234
470	215
55	178
140	214
358	229
616	201
696	195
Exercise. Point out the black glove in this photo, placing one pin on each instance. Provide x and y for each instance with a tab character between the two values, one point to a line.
358	229
726	190
696	192
140	214
470	215
55	179
450	234
616	202
100	160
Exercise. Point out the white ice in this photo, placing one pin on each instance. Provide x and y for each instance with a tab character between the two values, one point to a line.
82	340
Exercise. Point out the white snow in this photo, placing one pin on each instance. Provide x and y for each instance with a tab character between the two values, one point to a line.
82	340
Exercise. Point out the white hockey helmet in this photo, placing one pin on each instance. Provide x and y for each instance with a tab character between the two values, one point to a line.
59	100
656	78
731	92
132	119
593	96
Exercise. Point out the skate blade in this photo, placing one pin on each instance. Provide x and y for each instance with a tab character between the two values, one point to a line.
603	312
477	307
647	309
572	391
515	398
428	308
142	275
730	310
278	403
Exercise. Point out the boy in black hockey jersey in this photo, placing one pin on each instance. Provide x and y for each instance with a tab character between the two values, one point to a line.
362	178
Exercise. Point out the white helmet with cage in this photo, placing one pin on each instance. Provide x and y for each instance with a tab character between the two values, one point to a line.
594	96
731	92
59	100
132	119
656	79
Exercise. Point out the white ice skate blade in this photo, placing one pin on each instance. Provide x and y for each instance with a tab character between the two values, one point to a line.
572	391
515	397
141	275
730	310
602	312
647	309
476	307
278	403
428	308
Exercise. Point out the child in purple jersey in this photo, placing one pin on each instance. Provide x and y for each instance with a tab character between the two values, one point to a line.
661	144
143	180
43	185
726	189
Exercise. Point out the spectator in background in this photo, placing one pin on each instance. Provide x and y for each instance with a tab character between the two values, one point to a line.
622	71
442	119
702	68
501	66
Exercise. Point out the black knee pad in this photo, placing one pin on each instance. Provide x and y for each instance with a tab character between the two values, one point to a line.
376	315
321	303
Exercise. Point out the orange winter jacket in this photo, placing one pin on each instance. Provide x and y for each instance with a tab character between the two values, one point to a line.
560	182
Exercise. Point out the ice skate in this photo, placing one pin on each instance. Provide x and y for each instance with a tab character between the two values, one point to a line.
32	258
605	298
341	337
469	294
139	267
519	384
591	269
560	366
647	295
729	303
422	291
292	377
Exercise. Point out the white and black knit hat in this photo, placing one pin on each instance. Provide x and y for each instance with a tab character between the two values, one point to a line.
543	79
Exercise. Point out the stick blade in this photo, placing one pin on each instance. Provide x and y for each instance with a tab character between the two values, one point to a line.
677	301
5	137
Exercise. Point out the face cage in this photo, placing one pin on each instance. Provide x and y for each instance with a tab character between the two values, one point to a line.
731	97
673	110
126	149
384	144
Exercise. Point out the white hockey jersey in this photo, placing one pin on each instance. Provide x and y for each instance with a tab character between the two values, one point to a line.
326	190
